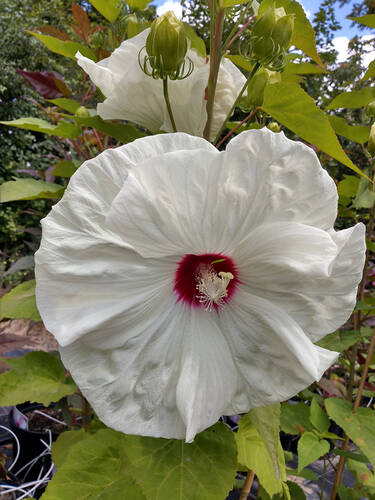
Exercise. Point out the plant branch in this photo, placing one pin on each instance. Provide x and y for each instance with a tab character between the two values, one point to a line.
236	35
215	58
253	71
167	102
236	127
235	27
247	486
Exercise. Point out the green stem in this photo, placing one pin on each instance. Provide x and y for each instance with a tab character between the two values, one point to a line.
215	58
235	27
253	71
167	102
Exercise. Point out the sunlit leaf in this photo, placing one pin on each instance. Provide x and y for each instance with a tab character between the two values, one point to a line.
64	48
36	377
29	189
367	20
295	418
318	418
196	42
370	73
310	448
355	133
353	99
64	168
63	129
110	9
291	106
120	131
66	104
20	303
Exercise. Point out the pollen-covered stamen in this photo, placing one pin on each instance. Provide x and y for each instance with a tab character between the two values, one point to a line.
213	287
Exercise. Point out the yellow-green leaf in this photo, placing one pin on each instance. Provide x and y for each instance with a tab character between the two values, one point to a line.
354	99
110	9
291	106
29	189
63	129
20	303
370	73
64	48
367	20
355	133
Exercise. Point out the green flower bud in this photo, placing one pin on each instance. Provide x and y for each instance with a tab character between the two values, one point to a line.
166	46
82	112
274	127
371	141
283	31
256	87
370	108
265	24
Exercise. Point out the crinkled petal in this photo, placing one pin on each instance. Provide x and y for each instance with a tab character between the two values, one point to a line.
289	178
309	273
272	353
171	378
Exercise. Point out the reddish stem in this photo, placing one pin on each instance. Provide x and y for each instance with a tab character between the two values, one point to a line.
238	33
236	128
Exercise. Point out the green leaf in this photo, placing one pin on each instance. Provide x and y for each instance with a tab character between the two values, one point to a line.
63	129
354	99
122	132
367	20
253	454
291	106
370	73
61	447
358	457
365	197
110	9
67	104
318	418
64	168
303	34
339	341
36	377
295	418
196	42
29	189
104	465
232	3
64	48
240	61
138	4
20	302
364	477
296	492
302	69
310	448
348	186
347	493
359	426
356	133
266	420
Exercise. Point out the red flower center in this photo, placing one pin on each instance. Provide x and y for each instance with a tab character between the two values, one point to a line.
207	280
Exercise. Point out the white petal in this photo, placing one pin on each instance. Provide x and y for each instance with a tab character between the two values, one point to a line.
289	178
311	274
274	356
171	379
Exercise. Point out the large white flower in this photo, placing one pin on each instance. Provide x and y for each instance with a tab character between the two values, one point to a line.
134	96
184	283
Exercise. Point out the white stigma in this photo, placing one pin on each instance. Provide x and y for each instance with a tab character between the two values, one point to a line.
213	287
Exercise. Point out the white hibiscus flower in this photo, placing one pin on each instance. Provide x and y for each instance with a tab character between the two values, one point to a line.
132	95
184	283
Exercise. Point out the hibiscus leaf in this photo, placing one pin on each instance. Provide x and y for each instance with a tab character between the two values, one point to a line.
48	84
266	420
64	168
353	99
340	340
356	133
367	20
110	9
370	73
20	303
67	104
64	48
122	132
290	105
302	69
138	4
196	42
310	448
295	418
36	377
61	448
63	129
253	454
303	34
359	426
113	465
29	189
318	418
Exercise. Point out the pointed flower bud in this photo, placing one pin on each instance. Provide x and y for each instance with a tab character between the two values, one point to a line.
256	87
82	112
274	127
283	31
371	141
370	108
166	46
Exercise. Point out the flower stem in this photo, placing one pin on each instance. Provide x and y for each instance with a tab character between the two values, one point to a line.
215	58
236	128
253	71
236	35
247	486
167	102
